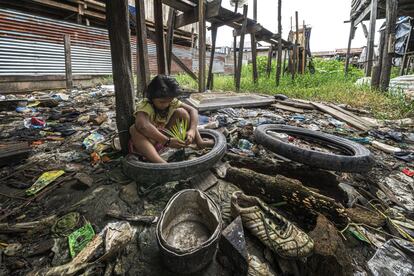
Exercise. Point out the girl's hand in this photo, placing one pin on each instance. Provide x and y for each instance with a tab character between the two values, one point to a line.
176	144
190	136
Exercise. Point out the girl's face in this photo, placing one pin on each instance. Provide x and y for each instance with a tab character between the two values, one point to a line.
162	103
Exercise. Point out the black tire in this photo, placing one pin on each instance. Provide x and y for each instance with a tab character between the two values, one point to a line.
359	159
159	173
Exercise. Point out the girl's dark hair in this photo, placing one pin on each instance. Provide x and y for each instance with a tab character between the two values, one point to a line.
163	86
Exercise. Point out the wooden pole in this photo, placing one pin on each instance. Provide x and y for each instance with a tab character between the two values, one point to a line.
234	48
117	18
159	35
297	65
241	47
254	57
68	62
348	51
254	45
201	47
170	37
279	42
391	15
376	73
371	37
304	48
143	71
284	62
404	59
210	77
269	61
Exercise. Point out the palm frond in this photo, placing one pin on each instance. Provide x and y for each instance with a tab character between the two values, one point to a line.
179	130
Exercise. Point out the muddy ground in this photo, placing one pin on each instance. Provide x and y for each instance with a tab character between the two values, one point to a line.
338	250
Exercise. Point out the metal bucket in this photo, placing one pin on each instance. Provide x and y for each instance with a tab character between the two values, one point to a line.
188	231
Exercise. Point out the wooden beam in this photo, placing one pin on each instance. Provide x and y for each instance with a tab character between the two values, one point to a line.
279	46
269	61
119	36
348	51
201	46
184	67
159	35
254	57
234	47
143	70
170	37
362	16
241	47
68	62
371	38
235	19
178	5
251	29
391	14
211	10
210	77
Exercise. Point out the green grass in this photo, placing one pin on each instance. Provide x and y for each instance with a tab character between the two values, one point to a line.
327	84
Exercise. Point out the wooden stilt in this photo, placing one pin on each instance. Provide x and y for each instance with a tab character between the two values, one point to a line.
210	77
348	51
254	57
159	35
170	37
241	47
234	49
201	47
68	62
391	15
279	42
297	65
269	61
284	62
376	74
371	38
182	65
143	71
117	17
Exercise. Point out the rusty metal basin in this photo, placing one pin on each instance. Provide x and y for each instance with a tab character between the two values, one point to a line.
188	231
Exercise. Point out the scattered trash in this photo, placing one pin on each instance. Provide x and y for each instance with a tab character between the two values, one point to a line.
44	180
66	224
408	172
93	139
244	144
395	257
80	238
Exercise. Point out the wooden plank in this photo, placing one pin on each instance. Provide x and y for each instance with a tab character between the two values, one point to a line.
296	104
371	38
355	117
362	16
404	60
340	116
241	47
159	35
210	77
254	57
234	19
391	14
184	67
143	70
170	37
348	51
250	29
68	62
119	36
201	46
212	9
287	108
279	44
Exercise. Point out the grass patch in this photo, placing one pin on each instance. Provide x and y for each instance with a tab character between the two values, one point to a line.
328	84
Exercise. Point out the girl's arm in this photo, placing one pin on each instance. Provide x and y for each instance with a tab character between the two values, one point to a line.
144	126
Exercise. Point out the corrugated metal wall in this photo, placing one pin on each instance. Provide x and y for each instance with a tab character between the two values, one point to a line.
33	46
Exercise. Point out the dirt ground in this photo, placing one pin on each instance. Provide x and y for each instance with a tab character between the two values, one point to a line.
94	186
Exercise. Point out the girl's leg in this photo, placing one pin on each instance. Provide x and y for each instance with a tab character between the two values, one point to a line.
144	147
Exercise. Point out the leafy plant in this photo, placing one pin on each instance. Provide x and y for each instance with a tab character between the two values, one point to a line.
179	130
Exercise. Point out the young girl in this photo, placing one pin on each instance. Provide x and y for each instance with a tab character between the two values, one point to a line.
161	110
